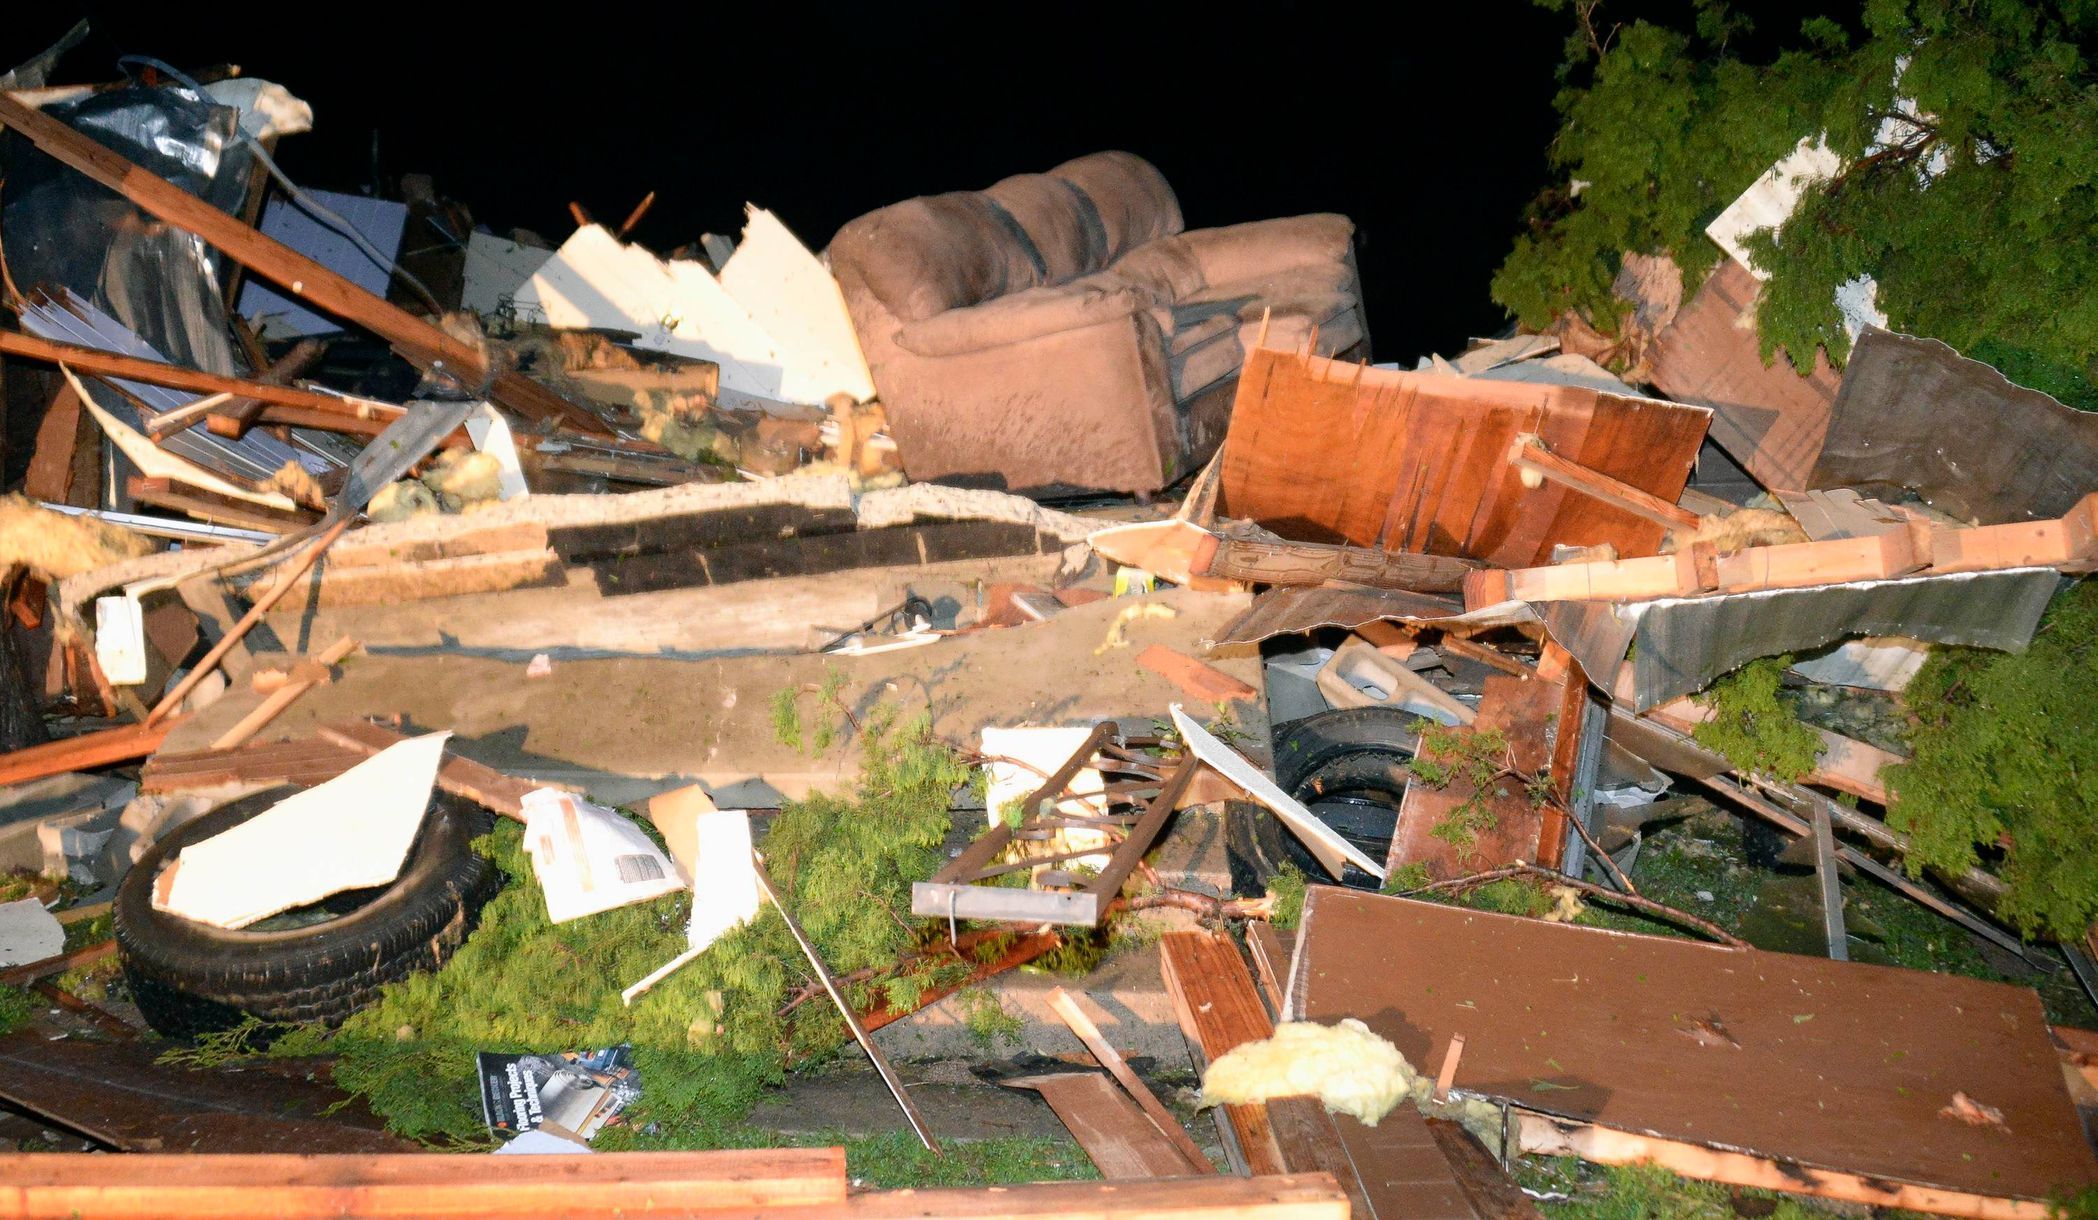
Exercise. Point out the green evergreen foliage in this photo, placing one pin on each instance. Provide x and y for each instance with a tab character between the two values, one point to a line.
2004	768
1287	888
1757	731
17	1007
709	1037
1990	250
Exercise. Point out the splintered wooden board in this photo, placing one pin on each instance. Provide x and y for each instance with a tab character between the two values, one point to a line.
1833	1065
1321	451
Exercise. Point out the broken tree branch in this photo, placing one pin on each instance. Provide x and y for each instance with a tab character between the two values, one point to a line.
1648	905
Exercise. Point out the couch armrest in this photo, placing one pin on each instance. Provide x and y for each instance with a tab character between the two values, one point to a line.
1017	318
1237	253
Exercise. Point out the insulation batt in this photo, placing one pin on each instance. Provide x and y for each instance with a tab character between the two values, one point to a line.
1345	1066
54	546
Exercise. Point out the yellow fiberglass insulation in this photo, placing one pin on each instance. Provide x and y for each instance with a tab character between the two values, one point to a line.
1350	1069
54	546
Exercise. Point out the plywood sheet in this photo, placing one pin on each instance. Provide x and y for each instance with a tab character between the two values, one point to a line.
1836	1065
1767	417
1522	709
1322	451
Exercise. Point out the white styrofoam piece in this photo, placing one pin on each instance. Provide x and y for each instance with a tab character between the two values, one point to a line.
589	858
381	221
496	268
1769	202
1324	842
120	639
794	297
490	434
597	281
542	1143
28	933
351	832
725	892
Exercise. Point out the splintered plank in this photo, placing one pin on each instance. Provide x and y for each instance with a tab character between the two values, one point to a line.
1218	1009
1117	1136
483	785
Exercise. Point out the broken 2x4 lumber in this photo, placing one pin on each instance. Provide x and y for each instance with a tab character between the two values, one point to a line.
304	677
83	753
1529	456
1310	563
1121	1142
483	785
96	363
1067	1009
419	341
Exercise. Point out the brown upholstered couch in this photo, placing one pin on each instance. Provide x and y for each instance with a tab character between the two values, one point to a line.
1060	330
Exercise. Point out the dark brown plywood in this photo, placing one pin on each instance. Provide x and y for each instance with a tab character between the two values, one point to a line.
1321	451
1835	1065
1767	417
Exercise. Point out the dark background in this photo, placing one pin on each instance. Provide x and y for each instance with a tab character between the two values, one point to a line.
1428	125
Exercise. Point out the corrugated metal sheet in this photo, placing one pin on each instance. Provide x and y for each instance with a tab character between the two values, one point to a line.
1681	644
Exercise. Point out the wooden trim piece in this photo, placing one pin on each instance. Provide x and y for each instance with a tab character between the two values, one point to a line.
304	677
433	1185
1122	1143
1526	454
29	972
1606	1146
306	280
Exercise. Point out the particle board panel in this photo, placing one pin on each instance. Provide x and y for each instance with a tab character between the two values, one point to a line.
1321	451
1840	1066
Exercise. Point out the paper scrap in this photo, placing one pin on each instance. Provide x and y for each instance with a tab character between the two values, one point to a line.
589	858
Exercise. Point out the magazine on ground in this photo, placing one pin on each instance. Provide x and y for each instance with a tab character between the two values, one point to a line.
578	1091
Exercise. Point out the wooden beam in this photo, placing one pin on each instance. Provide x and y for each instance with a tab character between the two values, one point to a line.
1606	1146
29	972
1309	563
1213	996
1685	572
1527	455
50	475
304	279
1800	565
315	1185
96	363
304	677
2069	541
1296	1196
485	786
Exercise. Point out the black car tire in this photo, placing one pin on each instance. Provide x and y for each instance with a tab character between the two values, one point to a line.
1350	768
190	978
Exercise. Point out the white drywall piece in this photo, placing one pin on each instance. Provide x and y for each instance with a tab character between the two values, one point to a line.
793	296
1323	840
350	833
597	281
29	933
496	268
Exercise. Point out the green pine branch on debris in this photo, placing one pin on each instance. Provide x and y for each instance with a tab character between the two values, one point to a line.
2004	768
1974	218
711	1036
1756	731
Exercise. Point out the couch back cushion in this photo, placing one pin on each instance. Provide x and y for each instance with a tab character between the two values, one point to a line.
1130	199
928	255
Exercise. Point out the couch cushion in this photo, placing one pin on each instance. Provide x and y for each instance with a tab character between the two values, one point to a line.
938	252
1129	195
1021	316
1251	251
1309	285
1165	269
1059	219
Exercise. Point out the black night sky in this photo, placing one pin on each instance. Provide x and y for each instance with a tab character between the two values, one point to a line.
1426	124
